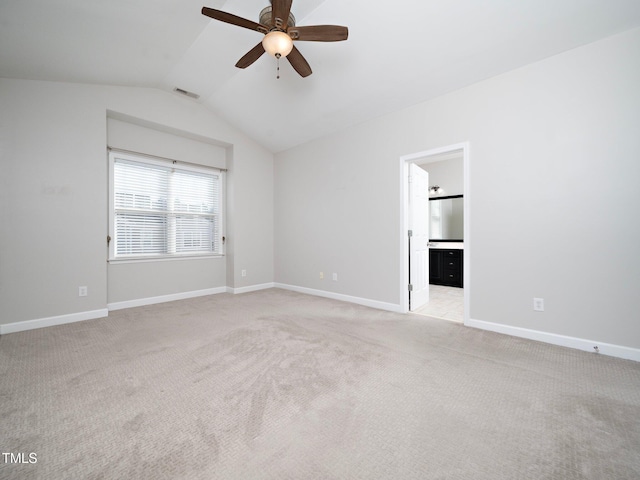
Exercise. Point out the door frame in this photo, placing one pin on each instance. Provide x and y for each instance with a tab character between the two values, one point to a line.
424	157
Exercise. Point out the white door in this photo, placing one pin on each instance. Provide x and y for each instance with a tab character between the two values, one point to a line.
419	238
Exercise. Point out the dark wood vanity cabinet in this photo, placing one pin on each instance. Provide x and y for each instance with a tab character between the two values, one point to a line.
445	267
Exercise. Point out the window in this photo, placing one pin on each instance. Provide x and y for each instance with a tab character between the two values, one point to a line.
162	209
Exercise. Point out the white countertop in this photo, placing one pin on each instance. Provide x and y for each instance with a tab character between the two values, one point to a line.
447	245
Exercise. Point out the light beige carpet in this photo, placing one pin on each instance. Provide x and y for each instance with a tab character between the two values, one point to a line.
280	385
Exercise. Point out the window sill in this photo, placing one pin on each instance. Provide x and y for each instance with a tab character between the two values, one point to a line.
118	261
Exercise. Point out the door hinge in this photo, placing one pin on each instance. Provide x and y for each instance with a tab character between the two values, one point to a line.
410	288
108	239
410	233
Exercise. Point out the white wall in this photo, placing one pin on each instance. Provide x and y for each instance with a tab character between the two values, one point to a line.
153	139
554	151
558	140
53	212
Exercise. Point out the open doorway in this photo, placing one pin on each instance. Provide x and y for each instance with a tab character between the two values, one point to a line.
455	183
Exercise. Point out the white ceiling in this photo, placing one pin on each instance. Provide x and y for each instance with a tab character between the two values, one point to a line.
399	52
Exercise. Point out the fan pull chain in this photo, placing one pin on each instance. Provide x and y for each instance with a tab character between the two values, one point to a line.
278	65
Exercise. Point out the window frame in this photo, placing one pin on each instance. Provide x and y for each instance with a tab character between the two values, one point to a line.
113	155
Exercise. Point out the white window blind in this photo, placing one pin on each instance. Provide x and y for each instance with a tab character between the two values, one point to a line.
163	210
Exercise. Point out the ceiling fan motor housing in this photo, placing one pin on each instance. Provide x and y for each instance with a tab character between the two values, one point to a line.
265	19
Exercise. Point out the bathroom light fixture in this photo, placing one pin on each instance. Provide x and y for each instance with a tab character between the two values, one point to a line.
434	189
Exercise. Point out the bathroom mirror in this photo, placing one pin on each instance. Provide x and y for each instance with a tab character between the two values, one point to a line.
446	216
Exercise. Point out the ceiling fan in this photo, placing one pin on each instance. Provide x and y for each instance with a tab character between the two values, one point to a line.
278	26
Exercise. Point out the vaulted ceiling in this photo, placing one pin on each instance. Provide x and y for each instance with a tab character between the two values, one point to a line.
398	53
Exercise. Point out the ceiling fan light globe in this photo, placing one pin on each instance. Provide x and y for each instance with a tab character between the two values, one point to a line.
277	42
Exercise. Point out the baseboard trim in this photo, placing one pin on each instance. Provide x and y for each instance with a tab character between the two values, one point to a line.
250	288
612	350
391	307
52	321
141	302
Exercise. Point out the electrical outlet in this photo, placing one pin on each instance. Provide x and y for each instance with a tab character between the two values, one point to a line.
82	291
243	273
335	277
321	275
538	304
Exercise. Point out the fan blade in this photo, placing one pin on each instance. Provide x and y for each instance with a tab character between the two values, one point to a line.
280	13
251	56
298	62
233	19
319	33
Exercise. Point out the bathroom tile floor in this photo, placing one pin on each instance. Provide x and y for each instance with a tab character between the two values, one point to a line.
444	302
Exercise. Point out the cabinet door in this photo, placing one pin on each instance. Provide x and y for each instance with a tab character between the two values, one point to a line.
445	267
435	266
